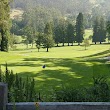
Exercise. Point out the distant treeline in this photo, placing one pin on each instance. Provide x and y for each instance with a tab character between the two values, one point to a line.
73	7
60	27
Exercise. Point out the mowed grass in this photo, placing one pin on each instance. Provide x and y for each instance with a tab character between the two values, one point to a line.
69	65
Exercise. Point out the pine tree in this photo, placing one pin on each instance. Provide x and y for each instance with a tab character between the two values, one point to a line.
63	28
99	30
108	29
60	32
4	24
48	40
102	30
96	29
57	34
79	28
70	33
39	40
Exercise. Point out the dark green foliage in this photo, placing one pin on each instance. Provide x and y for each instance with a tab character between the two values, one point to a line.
70	33
20	90
57	35
99	92
102	30
48	40
108	29
99	30
79	28
4	24
96	30
63	28
101	89
60	32
4	41
17	26
39	40
29	32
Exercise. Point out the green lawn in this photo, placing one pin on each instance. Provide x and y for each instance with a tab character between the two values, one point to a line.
71	65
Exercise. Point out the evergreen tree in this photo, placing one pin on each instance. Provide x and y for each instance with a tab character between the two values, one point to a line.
62	31
4	24
79	28
70	33
48	40
102	30
39	40
108	29
96	29
30	33
57	33
99	30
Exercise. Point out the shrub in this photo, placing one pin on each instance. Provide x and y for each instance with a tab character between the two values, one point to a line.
99	92
18	87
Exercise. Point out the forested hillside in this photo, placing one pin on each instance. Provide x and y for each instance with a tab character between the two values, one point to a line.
69	6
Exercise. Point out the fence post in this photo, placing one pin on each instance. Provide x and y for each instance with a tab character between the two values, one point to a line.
3	96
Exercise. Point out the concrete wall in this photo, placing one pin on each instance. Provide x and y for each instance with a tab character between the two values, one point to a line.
60	106
3	96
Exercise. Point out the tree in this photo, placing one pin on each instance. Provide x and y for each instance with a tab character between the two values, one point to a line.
48	40
60	33
30	33
39	40
62	30
35	19
79	28
70	33
4	24
17	26
86	43
96	29
99	30
57	34
108	29
102	30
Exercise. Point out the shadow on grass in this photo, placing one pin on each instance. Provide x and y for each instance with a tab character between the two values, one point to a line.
60	72
105	53
30	64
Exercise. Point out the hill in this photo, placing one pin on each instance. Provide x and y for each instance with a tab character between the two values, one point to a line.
68	6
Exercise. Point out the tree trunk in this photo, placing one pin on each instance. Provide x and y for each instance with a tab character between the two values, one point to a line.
72	44
47	50
78	43
57	44
63	44
38	50
100	42
95	42
32	45
68	43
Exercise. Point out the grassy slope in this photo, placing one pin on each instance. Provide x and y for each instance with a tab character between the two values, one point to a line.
64	65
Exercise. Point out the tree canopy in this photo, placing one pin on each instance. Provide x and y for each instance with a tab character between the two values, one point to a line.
4	24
